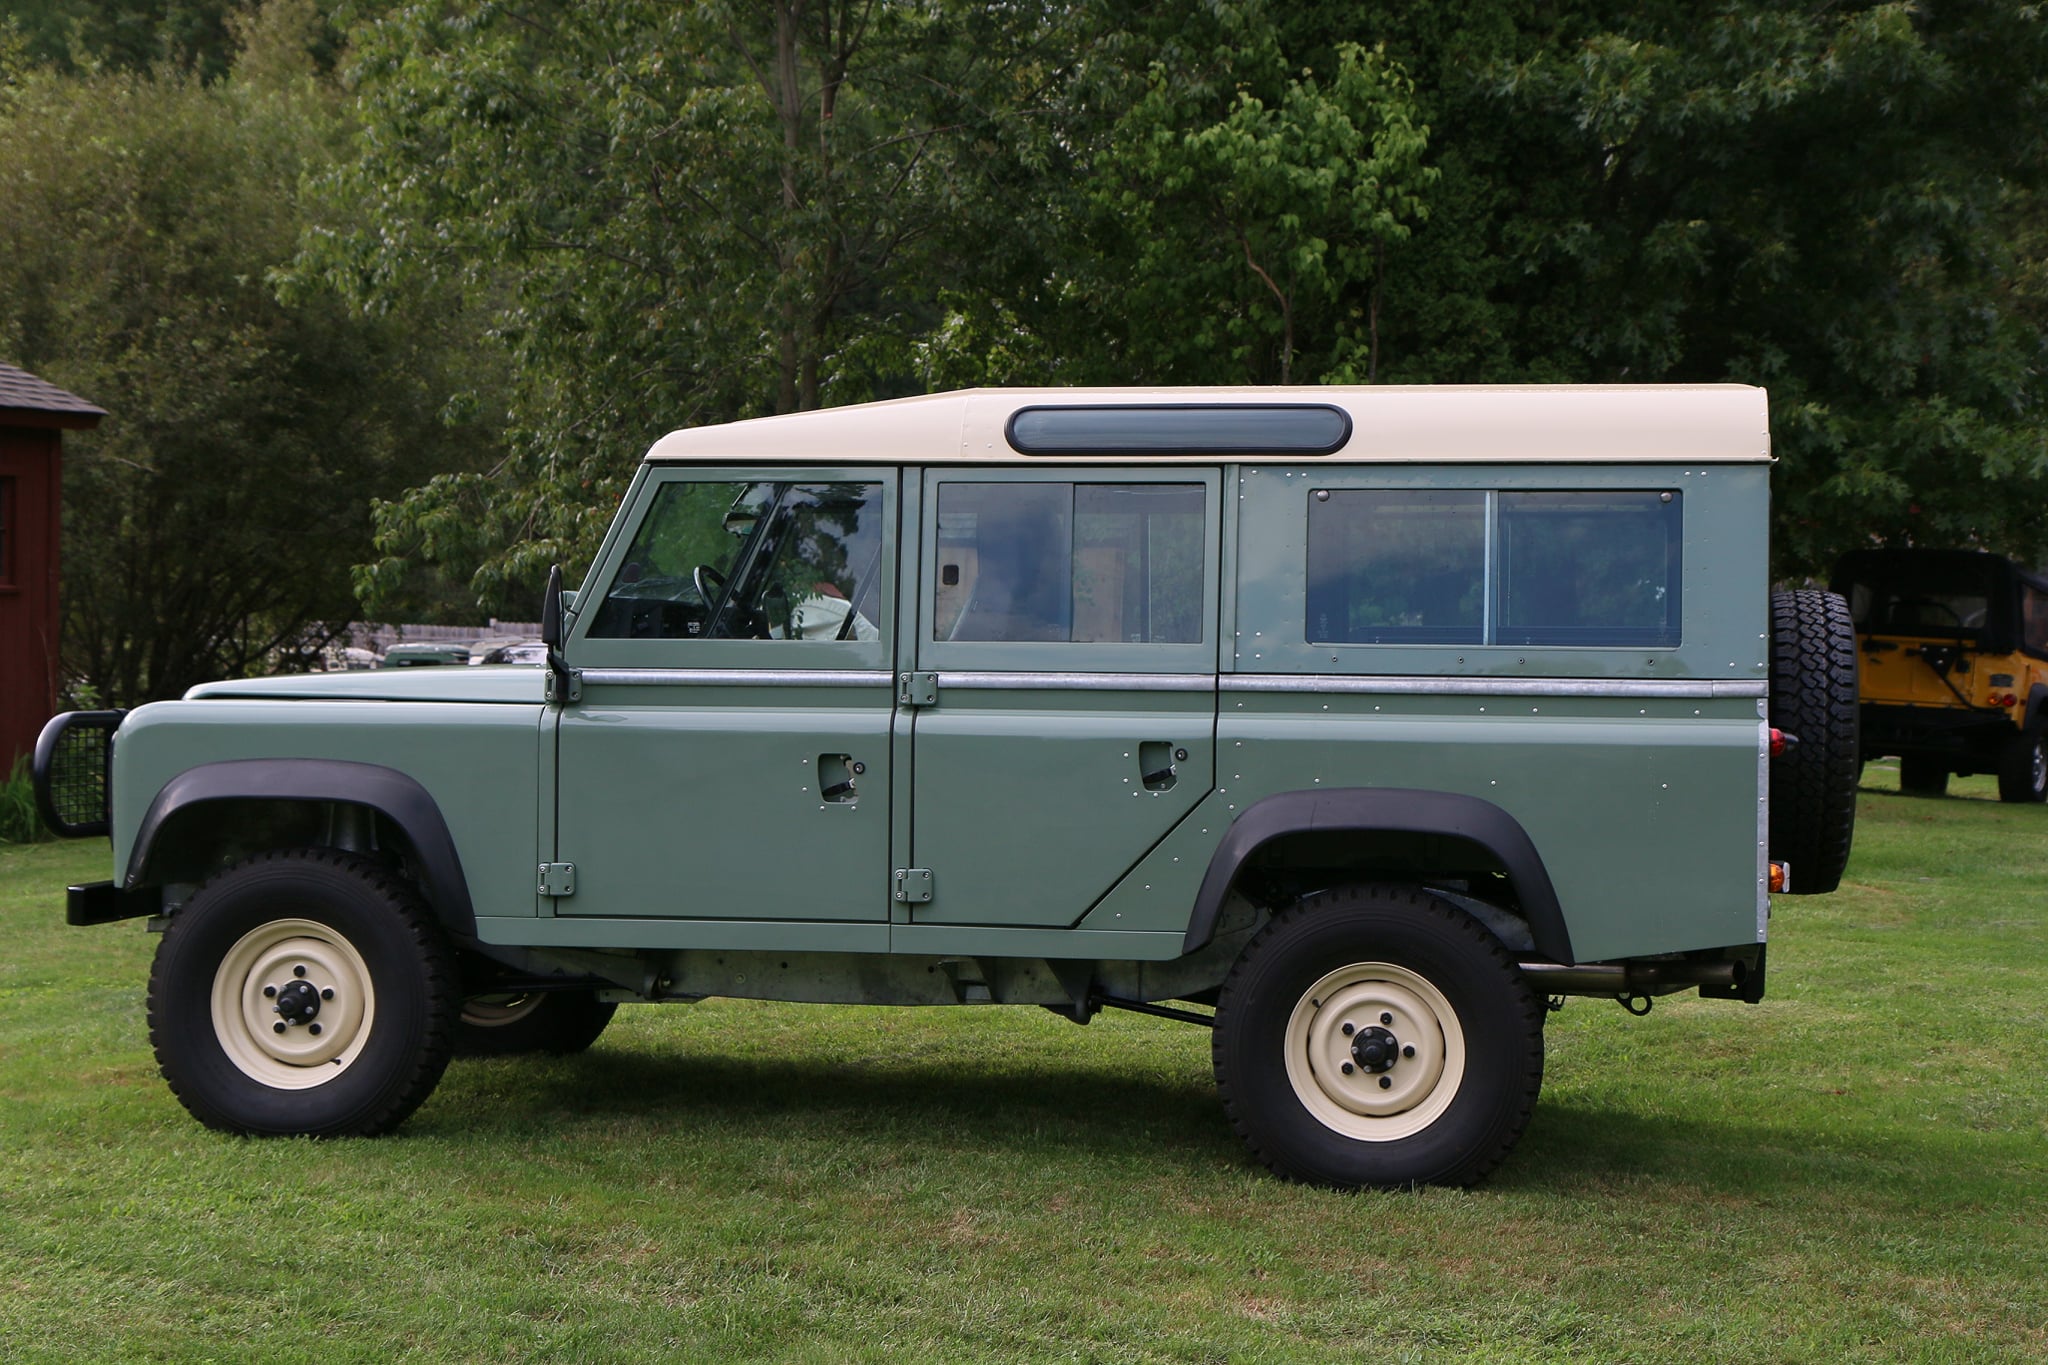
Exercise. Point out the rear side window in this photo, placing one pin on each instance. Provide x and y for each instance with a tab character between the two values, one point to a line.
1389	566
1071	562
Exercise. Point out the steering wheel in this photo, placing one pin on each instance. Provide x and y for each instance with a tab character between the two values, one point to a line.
709	582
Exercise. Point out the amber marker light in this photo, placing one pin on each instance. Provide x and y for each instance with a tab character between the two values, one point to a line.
1781	877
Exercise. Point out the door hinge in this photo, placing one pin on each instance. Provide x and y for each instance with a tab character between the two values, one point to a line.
914	885
558	879
556	682
917	689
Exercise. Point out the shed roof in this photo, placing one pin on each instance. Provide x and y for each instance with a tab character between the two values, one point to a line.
1646	423
28	401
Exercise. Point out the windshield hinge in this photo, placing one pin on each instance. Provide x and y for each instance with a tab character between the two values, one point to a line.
917	689
913	885
558	681
558	879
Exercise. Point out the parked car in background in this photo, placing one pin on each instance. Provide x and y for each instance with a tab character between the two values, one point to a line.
1356	724
424	654
521	652
1953	646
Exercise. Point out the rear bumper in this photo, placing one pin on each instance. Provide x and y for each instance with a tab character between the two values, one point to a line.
104	902
1934	731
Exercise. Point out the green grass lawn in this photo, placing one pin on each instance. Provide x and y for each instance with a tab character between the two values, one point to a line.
1855	1170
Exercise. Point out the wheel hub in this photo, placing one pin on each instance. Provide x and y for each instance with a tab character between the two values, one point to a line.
298	1003
292	1005
1374	1049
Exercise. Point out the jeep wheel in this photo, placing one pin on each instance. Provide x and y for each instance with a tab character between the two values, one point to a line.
1378	1036
504	1025
1813	697
305	993
1920	777
2023	767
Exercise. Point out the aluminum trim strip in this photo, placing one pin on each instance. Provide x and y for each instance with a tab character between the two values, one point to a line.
1674	688
1079	682
738	677
1763	829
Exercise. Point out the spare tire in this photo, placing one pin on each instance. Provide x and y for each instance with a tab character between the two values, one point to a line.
1813	698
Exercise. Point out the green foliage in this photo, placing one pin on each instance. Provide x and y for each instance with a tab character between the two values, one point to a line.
214	515
19	822
679	214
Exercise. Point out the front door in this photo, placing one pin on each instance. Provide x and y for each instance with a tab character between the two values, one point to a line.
1070	618
729	757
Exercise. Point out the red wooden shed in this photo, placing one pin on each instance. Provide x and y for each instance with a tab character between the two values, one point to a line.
33	417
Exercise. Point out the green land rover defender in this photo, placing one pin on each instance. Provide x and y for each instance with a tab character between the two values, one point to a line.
1355	724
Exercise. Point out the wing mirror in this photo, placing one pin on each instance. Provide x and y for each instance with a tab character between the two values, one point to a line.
561	683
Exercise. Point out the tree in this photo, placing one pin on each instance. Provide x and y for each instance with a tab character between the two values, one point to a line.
212	518
680	213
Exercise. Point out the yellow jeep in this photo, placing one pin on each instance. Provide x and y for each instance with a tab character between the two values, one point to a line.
1953	647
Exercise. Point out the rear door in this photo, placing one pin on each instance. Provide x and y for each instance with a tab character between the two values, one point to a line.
1067	645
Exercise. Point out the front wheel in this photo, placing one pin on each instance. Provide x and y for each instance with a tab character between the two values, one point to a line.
2023	767
305	993
1378	1036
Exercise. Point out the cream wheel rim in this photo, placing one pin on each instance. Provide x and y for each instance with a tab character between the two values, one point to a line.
292	1004
496	1011
1397	1035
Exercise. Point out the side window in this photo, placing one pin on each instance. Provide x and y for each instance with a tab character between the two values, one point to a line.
2034	619
767	561
1071	562
1476	567
1396	567
1588	569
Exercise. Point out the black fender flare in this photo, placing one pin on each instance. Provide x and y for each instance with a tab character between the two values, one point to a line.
1387	810
2036	714
389	792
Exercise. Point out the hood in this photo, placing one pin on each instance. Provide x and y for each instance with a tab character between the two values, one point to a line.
507	683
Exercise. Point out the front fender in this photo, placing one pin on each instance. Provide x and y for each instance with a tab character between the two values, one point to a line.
390	793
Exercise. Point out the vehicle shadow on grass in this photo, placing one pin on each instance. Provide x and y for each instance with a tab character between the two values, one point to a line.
1058	1113
1719	1158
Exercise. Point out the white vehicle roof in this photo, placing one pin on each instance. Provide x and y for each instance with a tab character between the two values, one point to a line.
1704	423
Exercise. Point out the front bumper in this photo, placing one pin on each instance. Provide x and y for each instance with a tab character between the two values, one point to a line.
104	903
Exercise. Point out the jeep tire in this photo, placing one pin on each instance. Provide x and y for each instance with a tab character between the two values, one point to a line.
304	993
1813	698
2023	767
508	1024
1378	1036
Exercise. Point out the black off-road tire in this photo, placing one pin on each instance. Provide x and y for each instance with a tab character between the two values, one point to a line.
508	1025
1922	776
2023	768
1466	1049
347	949
1813	697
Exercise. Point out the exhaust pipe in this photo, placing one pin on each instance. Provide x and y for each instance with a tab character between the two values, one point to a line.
1631	978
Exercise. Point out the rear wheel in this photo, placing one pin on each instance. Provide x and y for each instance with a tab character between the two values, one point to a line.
1922	776
1378	1036
306	993
2023	767
1813	698
506	1024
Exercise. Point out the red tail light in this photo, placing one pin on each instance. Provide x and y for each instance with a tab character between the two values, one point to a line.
1780	742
